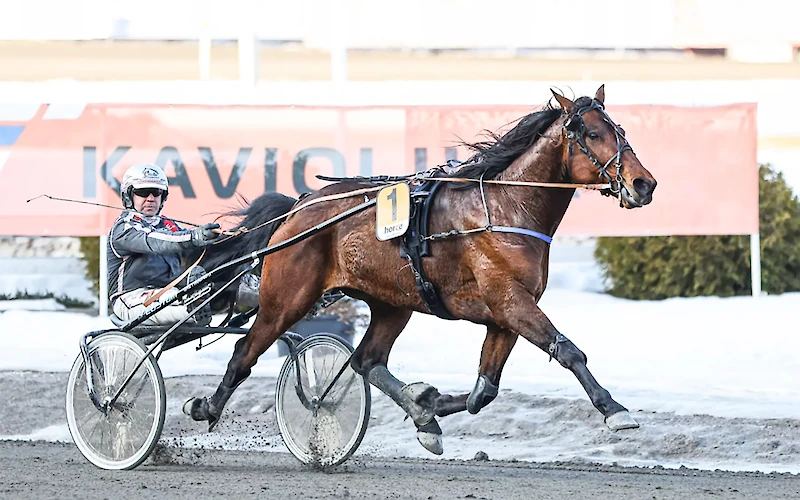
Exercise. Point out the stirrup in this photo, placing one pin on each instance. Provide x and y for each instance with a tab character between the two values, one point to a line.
203	316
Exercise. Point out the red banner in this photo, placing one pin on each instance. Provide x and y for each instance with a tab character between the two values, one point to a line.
704	159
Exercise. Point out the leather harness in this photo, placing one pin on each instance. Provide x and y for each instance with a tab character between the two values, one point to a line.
414	245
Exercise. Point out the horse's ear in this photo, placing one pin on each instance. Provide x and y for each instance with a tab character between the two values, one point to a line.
600	95
565	103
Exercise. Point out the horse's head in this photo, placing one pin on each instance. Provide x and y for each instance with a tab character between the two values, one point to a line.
597	151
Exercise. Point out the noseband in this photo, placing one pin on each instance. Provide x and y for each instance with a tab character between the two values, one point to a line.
576	131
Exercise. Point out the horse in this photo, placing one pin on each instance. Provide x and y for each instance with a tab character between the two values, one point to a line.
486	276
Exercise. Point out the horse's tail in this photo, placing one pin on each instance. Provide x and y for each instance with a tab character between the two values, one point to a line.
264	208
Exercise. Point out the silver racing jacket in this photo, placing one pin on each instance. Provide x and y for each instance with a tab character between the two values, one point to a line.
144	252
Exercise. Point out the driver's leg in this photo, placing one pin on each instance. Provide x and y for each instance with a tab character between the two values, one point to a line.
131	305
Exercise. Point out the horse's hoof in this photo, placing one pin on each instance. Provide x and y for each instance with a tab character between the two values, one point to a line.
421	393
212	422
188	406
197	408
621	420
431	442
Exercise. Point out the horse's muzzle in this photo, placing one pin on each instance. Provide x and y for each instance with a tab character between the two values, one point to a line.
639	194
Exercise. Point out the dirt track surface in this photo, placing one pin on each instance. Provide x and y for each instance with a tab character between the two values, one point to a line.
191	463
46	470
129	60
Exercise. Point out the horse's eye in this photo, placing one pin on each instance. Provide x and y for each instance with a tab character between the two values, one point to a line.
593	136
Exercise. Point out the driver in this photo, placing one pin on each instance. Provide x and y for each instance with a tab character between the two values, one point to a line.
145	249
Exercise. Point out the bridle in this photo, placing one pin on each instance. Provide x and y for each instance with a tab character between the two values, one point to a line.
575	129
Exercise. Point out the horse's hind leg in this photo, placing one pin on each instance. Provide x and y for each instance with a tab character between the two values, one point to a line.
494	354
279	310
370	360
545	336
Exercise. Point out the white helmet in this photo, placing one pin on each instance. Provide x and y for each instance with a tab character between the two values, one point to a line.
143	175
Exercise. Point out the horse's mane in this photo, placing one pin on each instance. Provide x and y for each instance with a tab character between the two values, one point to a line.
495	154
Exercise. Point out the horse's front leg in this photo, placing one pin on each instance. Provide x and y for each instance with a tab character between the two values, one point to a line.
494	354
537	328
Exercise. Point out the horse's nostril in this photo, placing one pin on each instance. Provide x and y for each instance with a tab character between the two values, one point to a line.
643	186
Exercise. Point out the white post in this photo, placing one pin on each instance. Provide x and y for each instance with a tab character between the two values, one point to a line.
755	263
103	298
338	44
248	43
248	58
339	63
204	43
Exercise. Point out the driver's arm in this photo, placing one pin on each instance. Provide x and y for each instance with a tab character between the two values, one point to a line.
130	235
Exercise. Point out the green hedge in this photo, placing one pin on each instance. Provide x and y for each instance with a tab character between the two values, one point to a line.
652	268
90	250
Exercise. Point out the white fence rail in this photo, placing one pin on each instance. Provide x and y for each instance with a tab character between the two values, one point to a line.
779	133
764	30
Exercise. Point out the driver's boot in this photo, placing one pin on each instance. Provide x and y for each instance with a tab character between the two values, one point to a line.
247	293
203	316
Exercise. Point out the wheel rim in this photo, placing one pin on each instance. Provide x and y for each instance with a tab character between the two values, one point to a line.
124	436
331	436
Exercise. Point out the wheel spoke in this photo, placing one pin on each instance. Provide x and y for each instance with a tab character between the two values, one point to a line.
125	436
335	432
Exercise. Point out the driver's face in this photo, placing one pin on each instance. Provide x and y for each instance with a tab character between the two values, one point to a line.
146	201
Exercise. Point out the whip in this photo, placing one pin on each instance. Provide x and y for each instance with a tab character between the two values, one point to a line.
103	206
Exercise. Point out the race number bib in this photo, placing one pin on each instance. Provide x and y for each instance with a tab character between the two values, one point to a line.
394	207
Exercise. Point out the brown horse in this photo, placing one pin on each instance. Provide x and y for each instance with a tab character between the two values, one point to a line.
488	277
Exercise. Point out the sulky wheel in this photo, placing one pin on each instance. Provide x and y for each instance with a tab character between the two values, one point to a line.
322	432
123	435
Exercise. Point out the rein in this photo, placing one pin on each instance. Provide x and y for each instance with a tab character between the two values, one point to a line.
489	227
175	281
357	192
347	194
590	187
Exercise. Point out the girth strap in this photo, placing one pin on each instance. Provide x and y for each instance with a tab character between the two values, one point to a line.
414	246
428	292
